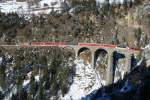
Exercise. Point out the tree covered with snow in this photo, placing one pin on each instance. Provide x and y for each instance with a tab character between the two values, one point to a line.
37	73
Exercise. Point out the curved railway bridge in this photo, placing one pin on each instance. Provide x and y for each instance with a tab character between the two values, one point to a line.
95	50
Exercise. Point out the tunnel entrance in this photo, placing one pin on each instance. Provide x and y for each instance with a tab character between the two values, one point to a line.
100	62
85	54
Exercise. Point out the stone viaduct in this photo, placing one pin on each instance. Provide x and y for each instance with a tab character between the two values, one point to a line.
94	49
109	49
97	48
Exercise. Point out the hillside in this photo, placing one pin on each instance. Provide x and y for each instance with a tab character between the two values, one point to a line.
55	73
119	24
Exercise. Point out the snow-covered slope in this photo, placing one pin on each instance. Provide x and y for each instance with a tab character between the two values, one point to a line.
110	1
23	7
51	3
10	6
86	80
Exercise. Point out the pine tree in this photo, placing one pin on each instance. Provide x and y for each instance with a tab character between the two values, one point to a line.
14	97
20	92
32	86
125	3
43	60
46	79
65	7
106	8
137	2
1	95
130	3
138	33
2	75
41	93
146	39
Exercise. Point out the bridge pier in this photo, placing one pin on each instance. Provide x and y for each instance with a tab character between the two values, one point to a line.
92	60
109	71
128	62
76	49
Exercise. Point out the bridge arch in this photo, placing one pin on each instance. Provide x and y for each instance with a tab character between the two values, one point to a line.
101	62
99	52
119	65
82	49
85	53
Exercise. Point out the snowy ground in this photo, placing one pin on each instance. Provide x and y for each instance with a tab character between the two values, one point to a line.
120	71
86	80
12	90
110	1
11	6
23	7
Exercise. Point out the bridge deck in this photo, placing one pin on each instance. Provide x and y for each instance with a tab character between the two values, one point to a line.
62	44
